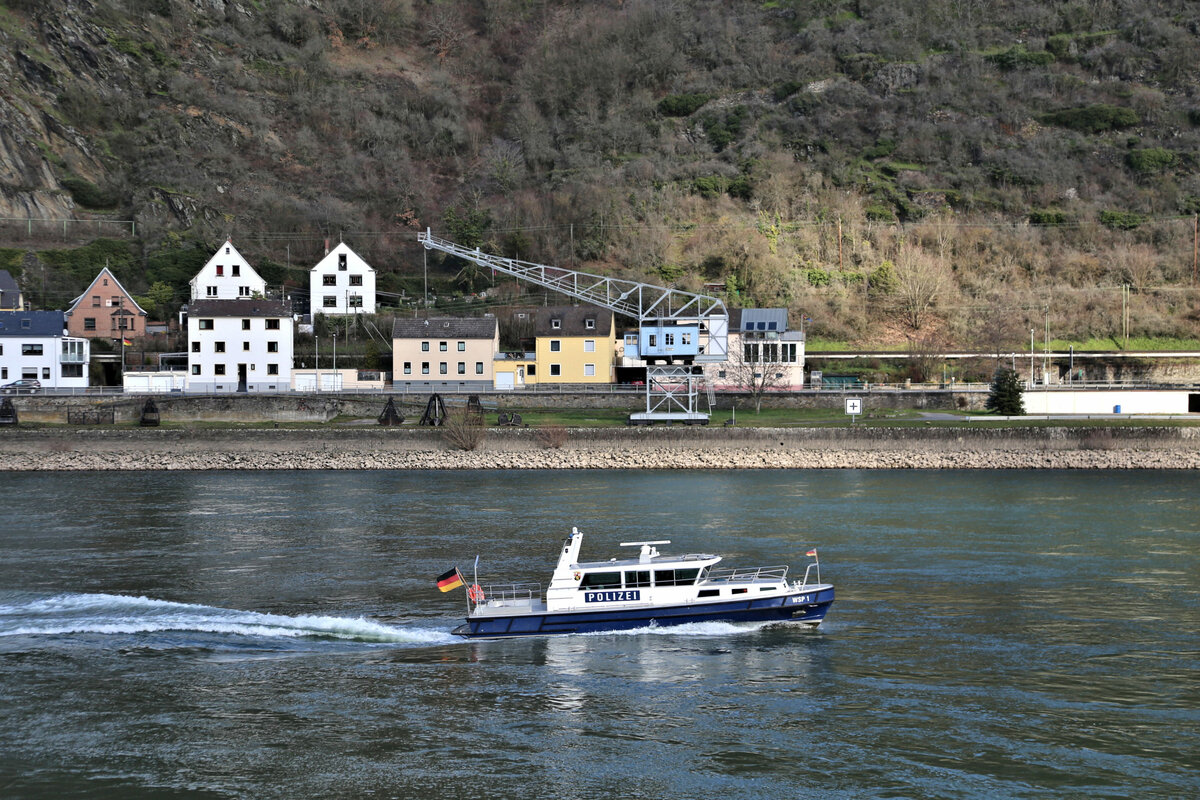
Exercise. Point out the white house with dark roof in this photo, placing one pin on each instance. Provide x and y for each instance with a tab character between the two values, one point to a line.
341	283
760	339
34	346
240	346
10	293
227	276
444	352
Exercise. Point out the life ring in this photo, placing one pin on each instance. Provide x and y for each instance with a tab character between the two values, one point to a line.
475	593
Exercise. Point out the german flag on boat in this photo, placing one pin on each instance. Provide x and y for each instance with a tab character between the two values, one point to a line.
450	580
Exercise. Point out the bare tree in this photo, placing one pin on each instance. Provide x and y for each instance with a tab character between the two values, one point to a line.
756	367
922	279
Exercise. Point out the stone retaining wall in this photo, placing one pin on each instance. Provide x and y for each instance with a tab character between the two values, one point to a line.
605	448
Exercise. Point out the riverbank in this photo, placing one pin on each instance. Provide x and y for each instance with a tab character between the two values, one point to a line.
608	448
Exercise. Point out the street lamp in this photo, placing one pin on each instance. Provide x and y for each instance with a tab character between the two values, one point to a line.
317	349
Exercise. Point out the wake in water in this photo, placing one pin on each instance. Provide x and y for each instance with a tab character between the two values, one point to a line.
69	614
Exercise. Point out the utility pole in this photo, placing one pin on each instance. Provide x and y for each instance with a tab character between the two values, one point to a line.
1031	358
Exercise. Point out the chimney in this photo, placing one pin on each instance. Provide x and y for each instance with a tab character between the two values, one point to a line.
326	246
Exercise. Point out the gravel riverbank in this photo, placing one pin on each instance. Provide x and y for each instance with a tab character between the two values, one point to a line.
609	448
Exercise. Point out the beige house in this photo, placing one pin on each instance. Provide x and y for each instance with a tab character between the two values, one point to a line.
444	353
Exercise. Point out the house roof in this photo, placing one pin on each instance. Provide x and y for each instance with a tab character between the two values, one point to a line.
106	272
240	308
445	328
32	323
330	258
572	321
772	320
10	292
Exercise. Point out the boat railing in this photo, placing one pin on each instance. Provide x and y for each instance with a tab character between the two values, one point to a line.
508	594
751	575
808	570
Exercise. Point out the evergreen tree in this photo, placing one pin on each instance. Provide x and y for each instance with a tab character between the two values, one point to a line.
1005	394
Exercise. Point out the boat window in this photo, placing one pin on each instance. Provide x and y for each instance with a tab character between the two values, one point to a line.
675	577
738	591
633	579
601	580
709	592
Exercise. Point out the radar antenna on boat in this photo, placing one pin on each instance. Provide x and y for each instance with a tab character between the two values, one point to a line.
649	551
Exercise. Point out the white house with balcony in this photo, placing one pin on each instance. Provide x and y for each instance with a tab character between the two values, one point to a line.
227	276
342	283
239	346
34	345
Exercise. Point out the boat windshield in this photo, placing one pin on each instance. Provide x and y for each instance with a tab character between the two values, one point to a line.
675	577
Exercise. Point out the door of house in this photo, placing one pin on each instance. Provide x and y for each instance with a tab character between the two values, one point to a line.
242	378
520	376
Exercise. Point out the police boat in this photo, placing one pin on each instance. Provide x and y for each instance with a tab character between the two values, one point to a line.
651	590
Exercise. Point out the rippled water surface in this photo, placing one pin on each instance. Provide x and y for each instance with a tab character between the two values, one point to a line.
278	635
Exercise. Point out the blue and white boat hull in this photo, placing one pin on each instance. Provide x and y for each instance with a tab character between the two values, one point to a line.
807	606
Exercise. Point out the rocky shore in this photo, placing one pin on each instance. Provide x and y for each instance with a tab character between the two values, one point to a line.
661	448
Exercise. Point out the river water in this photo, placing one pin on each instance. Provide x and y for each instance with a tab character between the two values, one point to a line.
278	635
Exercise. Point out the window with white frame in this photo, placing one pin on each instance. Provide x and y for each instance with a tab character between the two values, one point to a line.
195	347
329	280
589	370
555	370
218	347
329	301
462	368
408	368
272	324
205	324
211	291
218	369
195	369
356	280
555	345
589	345
478	367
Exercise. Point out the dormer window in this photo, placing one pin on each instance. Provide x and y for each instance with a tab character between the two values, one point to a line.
589	324
556	324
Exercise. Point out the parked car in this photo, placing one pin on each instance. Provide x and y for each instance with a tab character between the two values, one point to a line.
23	386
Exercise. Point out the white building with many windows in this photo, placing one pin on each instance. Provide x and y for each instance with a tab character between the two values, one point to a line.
34	346
342	283
239	346
227	276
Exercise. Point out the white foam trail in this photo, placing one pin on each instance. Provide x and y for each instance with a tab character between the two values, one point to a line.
120	614
714	628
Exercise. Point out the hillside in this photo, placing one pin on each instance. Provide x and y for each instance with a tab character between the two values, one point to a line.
947	172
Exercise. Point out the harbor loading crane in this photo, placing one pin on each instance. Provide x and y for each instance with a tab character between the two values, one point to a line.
678	331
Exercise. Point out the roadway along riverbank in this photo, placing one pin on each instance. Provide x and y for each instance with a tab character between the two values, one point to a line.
603	448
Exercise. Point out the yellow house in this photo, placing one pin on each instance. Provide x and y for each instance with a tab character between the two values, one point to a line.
574	344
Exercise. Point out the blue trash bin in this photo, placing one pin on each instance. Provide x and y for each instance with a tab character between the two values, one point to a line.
1116	409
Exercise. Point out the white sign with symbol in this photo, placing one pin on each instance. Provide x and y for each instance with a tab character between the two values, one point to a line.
854	406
